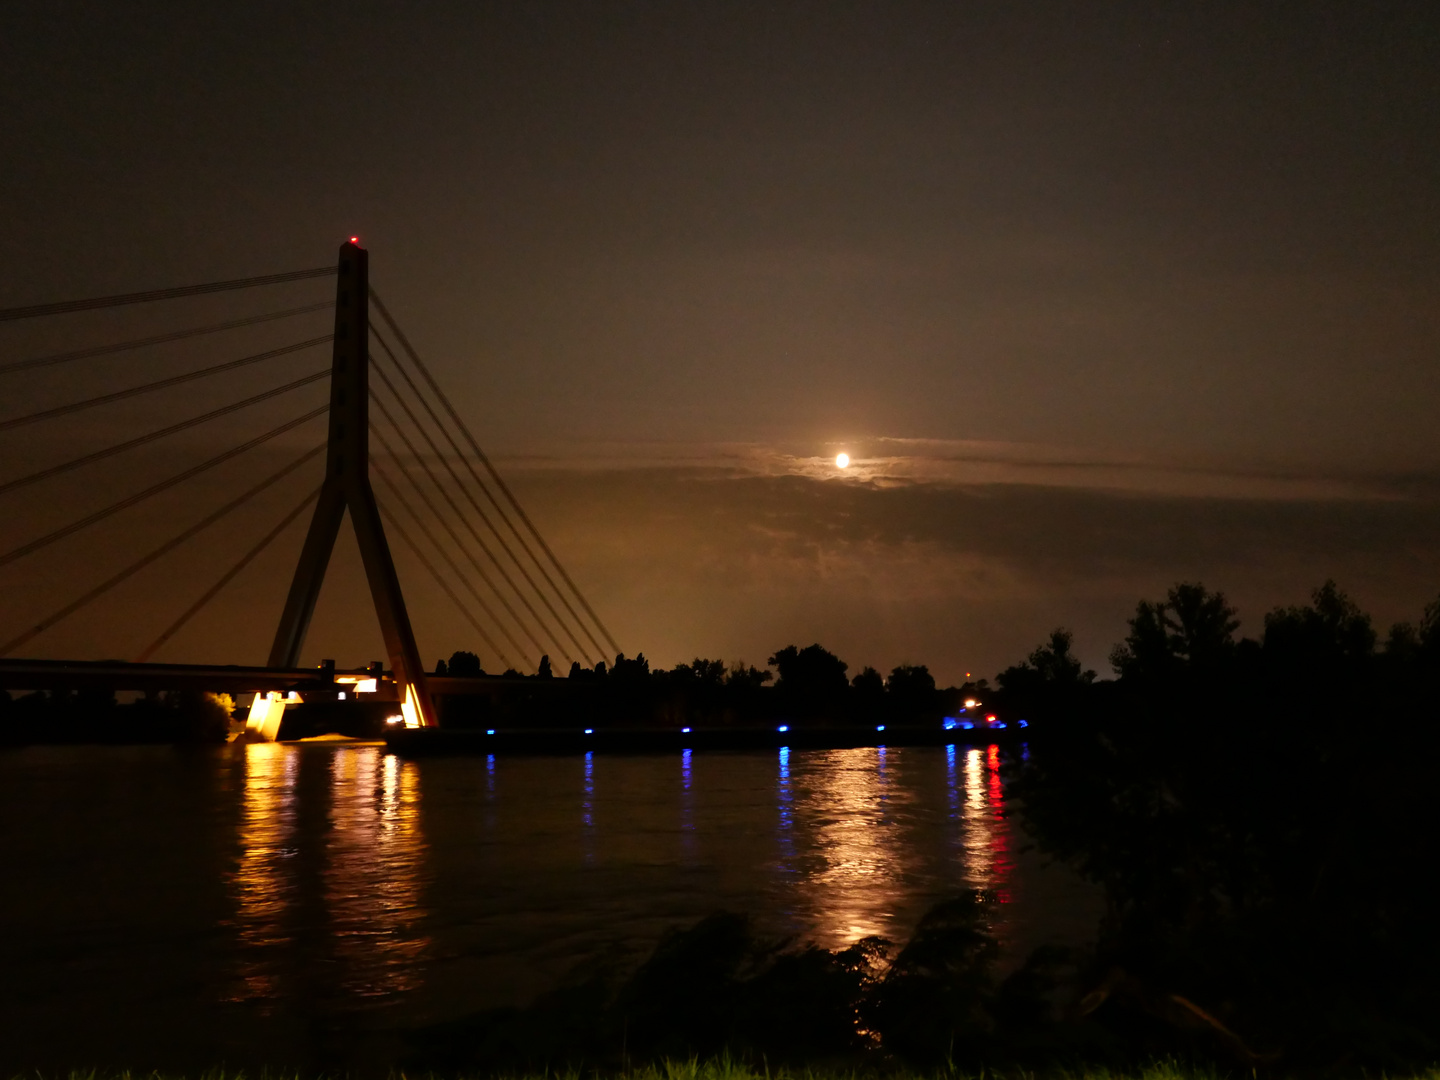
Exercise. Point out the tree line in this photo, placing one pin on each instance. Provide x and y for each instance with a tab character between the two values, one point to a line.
1262	814
808	686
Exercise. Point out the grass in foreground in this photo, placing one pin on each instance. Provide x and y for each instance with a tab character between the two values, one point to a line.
727	1069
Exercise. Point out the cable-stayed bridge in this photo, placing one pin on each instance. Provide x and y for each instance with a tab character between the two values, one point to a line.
396	458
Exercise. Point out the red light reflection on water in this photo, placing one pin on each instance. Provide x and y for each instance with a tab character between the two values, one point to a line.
1002	863
988	860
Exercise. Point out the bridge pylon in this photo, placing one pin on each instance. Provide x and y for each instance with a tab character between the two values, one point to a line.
347	486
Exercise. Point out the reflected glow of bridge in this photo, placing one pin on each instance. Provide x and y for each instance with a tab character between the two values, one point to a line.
372	882
370	918
262	885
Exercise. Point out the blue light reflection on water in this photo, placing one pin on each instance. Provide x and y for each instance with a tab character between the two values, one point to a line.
489	815
952	785
687	804
587	807
785	803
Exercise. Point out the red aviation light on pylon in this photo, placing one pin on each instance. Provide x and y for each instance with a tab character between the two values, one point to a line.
355	240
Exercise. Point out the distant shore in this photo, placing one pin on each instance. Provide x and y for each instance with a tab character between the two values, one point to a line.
424	742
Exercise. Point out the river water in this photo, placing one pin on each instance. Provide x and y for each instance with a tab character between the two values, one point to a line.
300	905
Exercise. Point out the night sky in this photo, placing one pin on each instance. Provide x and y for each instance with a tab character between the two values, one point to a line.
1098	296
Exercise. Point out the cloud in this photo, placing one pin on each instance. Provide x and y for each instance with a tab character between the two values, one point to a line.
890	461
963	576
959	555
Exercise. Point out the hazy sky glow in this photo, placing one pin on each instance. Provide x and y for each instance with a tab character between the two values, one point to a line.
1094	297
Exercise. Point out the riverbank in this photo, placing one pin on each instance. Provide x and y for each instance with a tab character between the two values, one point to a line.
440	742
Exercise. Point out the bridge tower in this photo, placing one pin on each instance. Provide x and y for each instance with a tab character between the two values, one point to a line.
347	486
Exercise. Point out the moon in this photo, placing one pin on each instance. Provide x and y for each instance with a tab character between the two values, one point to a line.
842	461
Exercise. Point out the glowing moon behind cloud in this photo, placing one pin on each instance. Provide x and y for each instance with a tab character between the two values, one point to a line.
842	461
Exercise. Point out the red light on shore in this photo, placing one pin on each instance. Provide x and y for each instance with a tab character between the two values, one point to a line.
355	239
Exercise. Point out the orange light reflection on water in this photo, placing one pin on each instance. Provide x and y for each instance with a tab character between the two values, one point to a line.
849	822
372	880
857	864
262	882
366	859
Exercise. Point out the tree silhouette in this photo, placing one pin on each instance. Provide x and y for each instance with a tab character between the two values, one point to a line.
464	665
630	671
868	690
812	670
1258	855
910	690
1048	681
812	680
1332	635
1192	628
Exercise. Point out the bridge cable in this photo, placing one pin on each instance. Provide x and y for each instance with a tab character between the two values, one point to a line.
194	421
229	575
499	595
464	488
164	549
483	546
439	581
500	483
161	384
65	307
459	544
440	549
445	585
488	495
158	339
75	526
485	460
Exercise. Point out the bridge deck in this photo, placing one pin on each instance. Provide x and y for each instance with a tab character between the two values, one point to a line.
237	679
122	675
